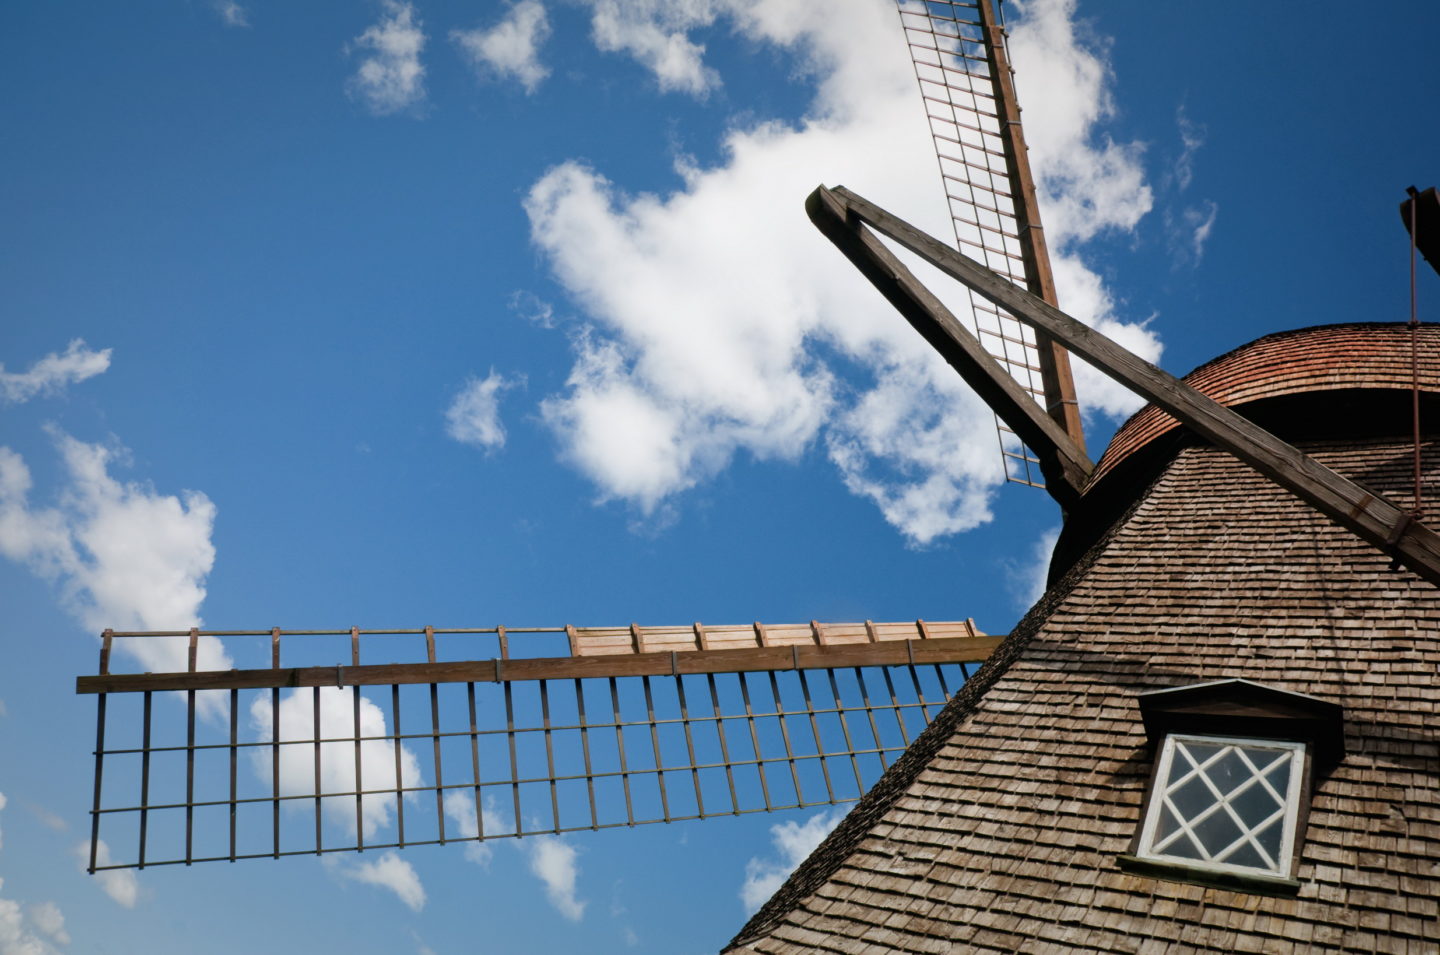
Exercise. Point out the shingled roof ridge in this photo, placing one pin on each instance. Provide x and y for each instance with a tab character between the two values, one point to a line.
845	838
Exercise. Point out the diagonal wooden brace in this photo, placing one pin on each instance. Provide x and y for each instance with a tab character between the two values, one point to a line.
1365	513
1064	464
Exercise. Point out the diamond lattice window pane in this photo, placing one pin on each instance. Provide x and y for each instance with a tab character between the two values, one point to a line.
1226	804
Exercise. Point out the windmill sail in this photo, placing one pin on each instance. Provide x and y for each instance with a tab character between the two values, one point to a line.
465	735
963	69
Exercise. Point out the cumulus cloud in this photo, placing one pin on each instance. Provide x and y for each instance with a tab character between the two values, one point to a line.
232	14
792	842
473	418
123	555
510	48
337	758
389	872
51	374
391	78
120	884
655	34
554	862
716	319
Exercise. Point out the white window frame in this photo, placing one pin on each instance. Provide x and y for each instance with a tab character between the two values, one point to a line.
1160	791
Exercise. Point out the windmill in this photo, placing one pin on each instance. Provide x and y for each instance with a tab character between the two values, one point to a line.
454	691
360	739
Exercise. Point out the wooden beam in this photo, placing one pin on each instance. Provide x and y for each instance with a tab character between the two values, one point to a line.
794	656
1055	375
1065	465
1365	513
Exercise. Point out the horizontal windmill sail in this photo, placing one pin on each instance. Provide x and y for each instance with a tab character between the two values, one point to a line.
431	736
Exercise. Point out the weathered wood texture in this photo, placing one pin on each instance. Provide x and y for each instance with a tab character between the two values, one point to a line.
1000	829
1371	517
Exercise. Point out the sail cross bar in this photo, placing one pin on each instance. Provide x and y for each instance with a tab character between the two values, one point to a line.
843	217
597	652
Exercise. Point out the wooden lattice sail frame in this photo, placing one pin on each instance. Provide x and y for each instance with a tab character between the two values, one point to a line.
632	725
962	65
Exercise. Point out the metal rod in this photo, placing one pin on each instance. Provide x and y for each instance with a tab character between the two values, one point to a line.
514	758
190	769
399	769
439	772
359	767
724	746
585	748
234	775
845	730
549	752
689	745
145	778
475	762
620	747
655	742
754	736
100	706
318	787
785	736
815	731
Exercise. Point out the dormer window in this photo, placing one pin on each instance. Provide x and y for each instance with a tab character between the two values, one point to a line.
1229	804
1234	766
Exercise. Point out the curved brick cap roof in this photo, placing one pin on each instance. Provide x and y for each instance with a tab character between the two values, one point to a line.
1324	358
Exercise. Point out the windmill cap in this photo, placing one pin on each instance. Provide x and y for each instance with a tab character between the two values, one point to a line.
1326	361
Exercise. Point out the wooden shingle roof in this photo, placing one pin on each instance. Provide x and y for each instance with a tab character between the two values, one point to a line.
1000	828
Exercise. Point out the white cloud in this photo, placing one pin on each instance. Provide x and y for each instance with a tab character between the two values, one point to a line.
124	556
1027	582
715	315
120	884
654	33
389	872
793	842
474	416
337	759
532	308
511	48
460	810
232	14
392	77
553	861
1089	184
40	934
51	374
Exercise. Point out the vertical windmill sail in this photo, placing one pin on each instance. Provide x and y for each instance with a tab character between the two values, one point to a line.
966	83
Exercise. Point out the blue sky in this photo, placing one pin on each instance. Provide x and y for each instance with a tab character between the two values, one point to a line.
395	314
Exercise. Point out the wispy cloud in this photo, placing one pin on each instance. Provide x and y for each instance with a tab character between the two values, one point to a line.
1027	581
123	555
232	14
715	323
655	34
388	872
473	418
510	48
391	78
51	374
555	863
120	884
1189	229
792	842
337	758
